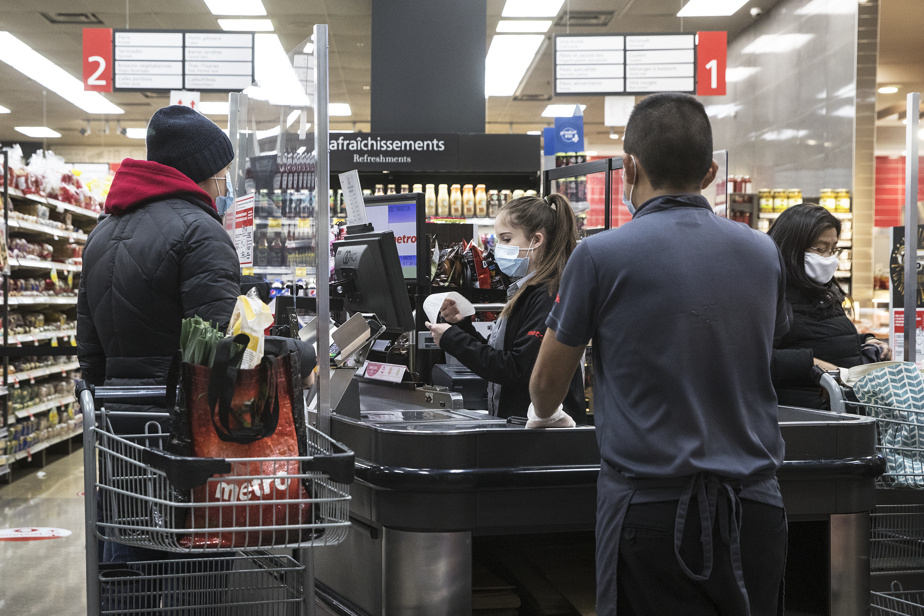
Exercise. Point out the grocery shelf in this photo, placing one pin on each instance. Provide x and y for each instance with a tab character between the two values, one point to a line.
843	215
20	338
55	203
36	300
55	233
284	271
31	451
3	391
45	406
43	265
774	215
842	274
29	375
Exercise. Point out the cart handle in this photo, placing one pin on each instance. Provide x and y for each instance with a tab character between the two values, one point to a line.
830	385
185	473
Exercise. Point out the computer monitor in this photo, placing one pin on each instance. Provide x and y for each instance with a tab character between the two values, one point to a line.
404	215
368	269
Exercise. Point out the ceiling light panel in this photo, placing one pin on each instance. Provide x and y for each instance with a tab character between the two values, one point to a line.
777	43
136	133
532	8
539	26
339	109
214	107
828	7
711	8
39	68
246	25
887	90
38	132
740	73
507	61
4	109
236	7
560	111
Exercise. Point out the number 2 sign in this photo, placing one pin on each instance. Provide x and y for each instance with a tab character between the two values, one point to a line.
711	60
97	59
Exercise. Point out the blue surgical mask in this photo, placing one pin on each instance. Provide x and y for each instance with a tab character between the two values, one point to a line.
509	261
223	203
628	202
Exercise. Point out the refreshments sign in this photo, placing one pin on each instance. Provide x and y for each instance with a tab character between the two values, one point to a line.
604	64
146	60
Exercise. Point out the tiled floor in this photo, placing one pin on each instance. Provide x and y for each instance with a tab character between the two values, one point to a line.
44	577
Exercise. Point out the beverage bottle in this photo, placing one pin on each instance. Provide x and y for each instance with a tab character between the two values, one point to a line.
518	193
581	157
442	201
560	159
572	158
581	189
391	189
429	199
418	188
404	189
455	201
250	187
481	201
468	201
379	190
505	196
493	203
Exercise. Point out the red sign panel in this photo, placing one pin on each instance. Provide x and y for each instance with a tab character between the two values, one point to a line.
97	59
711	60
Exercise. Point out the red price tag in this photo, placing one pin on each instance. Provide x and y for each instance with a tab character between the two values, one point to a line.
97	60
711	60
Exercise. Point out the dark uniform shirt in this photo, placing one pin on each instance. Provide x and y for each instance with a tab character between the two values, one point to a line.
682	306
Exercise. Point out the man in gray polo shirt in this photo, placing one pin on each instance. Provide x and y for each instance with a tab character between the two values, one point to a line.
682	307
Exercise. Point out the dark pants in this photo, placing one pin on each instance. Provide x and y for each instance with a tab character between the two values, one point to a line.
651	583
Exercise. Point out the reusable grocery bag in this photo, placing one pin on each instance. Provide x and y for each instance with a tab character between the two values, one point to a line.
896	395
254	418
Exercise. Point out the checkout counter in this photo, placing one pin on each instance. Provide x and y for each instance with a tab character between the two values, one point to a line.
432	477
434	480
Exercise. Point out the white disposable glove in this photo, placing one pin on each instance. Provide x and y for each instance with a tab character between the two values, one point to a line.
559	419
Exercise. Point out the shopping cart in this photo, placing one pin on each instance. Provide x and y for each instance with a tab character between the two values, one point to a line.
238	548
896	530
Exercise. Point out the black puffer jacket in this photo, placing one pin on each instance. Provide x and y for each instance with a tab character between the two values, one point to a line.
161	256
512	366
820	328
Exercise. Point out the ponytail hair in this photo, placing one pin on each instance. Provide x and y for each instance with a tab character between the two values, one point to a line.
553	216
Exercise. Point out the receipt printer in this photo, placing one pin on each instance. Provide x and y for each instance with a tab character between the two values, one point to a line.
458	378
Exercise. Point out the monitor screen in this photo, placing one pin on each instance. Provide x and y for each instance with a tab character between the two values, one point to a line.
371	261
400	214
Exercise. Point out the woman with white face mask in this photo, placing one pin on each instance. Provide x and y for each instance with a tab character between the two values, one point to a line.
535	237
821	334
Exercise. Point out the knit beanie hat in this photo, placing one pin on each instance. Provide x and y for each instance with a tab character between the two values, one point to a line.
186	140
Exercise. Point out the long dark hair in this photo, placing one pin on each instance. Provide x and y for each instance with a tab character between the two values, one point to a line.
553	216
795	231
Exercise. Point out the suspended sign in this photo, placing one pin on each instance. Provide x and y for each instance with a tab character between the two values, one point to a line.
152	60
607	64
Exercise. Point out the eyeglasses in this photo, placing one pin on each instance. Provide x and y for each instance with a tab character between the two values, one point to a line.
826	252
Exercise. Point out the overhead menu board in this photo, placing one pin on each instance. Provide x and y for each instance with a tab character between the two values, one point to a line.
202	61
625	63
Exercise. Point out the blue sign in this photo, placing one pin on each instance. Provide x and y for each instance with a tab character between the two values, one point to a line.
548	141
569	134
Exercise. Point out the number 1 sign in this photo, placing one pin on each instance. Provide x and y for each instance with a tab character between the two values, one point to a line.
711	60
97	59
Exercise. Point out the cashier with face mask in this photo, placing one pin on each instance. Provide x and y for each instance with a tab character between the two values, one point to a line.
821	334
535	237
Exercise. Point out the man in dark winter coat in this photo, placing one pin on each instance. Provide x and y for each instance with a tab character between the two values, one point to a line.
161	255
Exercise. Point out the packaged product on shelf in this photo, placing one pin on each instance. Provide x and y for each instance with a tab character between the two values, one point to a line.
518	193
391	190
780	200
766	200
455	201
468	201
793	197
379	190
481	201
429	199
404	189
418	188
442	201
842	201
505	197
493	203
826	199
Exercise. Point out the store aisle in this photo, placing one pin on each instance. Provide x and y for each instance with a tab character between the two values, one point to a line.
46	576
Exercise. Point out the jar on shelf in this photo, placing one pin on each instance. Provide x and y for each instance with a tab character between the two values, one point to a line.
826	199
842	201
780	200
793	197
766	200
